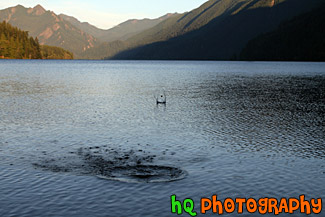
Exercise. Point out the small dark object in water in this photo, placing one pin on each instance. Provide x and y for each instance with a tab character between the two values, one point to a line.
161	99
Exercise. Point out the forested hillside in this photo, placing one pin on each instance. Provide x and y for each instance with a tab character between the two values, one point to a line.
17	44
300	39
51	52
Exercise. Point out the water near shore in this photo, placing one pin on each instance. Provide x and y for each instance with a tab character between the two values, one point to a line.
86	138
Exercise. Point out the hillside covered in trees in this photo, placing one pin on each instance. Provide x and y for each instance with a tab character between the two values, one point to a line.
51	52
300	39
16	44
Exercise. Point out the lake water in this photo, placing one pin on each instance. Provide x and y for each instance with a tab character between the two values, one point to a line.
86	138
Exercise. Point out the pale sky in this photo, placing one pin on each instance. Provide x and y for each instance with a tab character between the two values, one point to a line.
108	13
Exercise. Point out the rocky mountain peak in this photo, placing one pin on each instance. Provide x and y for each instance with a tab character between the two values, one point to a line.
39	10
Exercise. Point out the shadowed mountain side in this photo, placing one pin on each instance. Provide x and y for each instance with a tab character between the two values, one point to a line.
174	26
189	21
300	39
122	31
225	36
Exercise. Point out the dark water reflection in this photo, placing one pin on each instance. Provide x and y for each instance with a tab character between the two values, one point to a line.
236	129
271	113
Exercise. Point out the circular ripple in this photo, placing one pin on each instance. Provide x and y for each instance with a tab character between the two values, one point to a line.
144	173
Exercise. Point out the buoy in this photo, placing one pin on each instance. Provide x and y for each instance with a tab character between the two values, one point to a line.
161	98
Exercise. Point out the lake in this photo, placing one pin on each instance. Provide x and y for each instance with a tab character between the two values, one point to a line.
87	138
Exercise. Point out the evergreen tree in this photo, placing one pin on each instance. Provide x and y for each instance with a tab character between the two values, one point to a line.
38	49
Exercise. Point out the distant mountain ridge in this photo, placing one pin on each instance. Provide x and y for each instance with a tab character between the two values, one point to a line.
217	30
122	31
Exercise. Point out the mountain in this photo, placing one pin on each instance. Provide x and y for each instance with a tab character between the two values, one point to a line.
69	33
219	29
300	39
49	28
174	26
122	31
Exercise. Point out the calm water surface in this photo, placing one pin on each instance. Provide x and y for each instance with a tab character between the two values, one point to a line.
235	129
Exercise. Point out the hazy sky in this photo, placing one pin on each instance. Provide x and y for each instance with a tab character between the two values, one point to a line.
108	13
